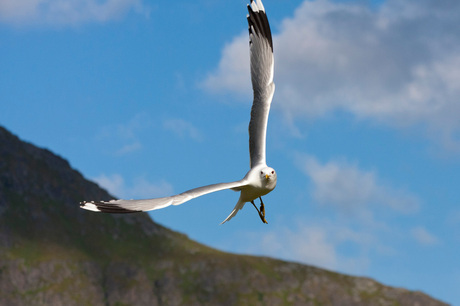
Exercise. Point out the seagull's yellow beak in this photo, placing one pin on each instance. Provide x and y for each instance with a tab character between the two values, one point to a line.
267	176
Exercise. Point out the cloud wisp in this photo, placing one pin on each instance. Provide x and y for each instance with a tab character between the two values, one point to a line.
183	128
141	188
66	12
350	189
124	138
322	243
424	237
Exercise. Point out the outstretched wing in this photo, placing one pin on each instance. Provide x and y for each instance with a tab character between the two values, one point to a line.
262	68
130	206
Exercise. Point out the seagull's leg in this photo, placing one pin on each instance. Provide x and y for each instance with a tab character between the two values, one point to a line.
262	207
252	202
262	217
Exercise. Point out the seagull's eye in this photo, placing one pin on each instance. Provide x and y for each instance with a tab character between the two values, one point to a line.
261	172
273	172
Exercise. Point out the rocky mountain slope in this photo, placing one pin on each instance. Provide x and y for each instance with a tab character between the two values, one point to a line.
54	253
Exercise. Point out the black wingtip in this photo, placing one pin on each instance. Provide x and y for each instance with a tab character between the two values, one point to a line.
259	22
106	207
112	209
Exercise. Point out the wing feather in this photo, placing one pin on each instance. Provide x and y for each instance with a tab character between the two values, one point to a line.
130	206
262	70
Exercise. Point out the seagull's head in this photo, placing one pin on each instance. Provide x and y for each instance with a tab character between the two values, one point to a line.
268	175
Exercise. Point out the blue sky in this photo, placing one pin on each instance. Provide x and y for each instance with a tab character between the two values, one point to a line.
151	99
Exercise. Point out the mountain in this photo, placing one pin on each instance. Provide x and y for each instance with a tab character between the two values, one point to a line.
54	253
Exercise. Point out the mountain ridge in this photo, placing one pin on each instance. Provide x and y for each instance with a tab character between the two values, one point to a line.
52	252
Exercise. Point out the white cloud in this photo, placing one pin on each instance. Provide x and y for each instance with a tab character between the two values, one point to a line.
129	148
141	188
398	65
316	244
233	71
124	136
353	190
66	12
308	245
114	183
422	236
182	128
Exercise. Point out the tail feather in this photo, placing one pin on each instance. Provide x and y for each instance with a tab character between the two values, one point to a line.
239	205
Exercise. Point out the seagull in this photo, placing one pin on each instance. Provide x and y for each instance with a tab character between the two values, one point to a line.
260	179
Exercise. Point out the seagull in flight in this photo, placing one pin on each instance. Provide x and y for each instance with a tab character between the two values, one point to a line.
260	179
